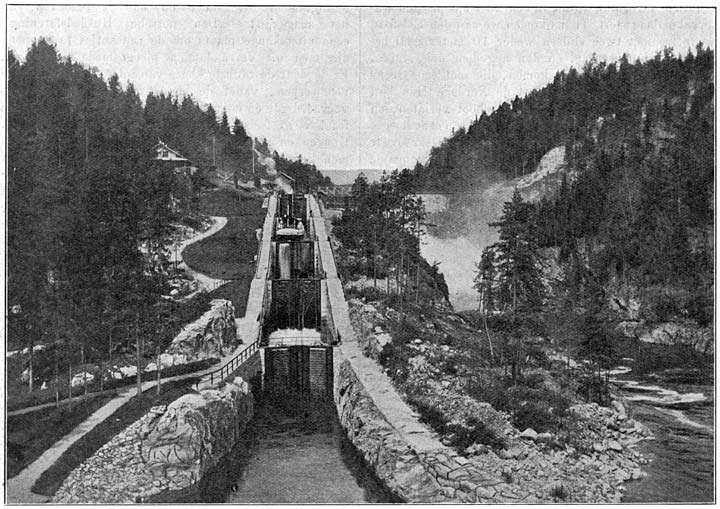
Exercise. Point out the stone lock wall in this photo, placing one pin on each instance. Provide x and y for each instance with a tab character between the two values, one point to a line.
383	447
168	449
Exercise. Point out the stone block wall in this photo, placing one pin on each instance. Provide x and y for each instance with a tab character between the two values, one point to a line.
383	447
523	473
168	449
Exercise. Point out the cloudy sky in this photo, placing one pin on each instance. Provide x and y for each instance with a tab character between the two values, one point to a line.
351	87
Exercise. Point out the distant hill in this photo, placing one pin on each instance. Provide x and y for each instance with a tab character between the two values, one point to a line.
342	177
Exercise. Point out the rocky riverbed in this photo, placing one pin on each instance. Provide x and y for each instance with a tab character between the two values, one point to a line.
590	463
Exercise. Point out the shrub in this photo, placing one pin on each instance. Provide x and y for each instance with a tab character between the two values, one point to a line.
507	476
558	491
460	435
472	432
395	358
594	389
531	404
367	293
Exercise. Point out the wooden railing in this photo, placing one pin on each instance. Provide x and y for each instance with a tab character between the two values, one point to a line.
297	341
219	283
230	367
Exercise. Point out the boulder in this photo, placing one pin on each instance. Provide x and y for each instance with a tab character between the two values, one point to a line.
637	474
614	445
419	364
195	431
81	379
212	335
620	409
128	371
529	433
512	453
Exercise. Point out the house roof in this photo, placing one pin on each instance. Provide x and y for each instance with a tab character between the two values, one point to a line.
165	147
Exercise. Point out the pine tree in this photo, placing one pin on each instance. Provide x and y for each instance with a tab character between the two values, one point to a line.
519	285
485	279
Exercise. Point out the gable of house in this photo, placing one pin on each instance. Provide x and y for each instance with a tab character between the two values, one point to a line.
165	153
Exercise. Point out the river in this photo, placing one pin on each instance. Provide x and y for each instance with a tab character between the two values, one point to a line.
293	453
682	466
682	454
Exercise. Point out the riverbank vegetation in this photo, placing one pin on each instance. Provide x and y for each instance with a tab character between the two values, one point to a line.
462	376
379	240
622	245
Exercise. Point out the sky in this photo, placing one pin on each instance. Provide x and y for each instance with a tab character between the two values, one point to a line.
351	87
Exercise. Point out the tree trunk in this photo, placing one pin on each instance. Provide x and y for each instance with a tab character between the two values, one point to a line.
57	378
70	385
157	366
417	283
30	368
139	354
374	259
82	363
487	332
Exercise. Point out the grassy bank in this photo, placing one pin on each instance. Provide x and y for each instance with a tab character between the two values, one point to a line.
229	254
235	291
51	479
31	434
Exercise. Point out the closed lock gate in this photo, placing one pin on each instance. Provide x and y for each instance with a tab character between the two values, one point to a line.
300	370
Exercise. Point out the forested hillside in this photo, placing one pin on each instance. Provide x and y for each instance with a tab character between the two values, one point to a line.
89	214
199	135
634	213
509	141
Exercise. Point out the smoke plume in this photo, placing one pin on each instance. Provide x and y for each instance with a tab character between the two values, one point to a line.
269	164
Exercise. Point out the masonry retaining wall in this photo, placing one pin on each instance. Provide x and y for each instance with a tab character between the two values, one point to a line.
168	449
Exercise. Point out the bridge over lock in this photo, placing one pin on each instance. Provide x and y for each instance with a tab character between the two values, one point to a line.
335	197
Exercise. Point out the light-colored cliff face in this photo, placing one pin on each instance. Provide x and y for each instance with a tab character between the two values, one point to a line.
458	243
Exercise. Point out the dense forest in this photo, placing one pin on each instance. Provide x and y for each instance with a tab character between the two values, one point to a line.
509	141
89	215
213	143
380	235
636	205
622	245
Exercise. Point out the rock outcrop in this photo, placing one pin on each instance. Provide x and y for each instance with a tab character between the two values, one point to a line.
214	334
196	431
170	448
525	471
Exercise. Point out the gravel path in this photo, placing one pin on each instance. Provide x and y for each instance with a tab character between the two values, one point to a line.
18	489
204	282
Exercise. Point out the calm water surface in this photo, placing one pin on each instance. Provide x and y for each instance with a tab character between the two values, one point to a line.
294	453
